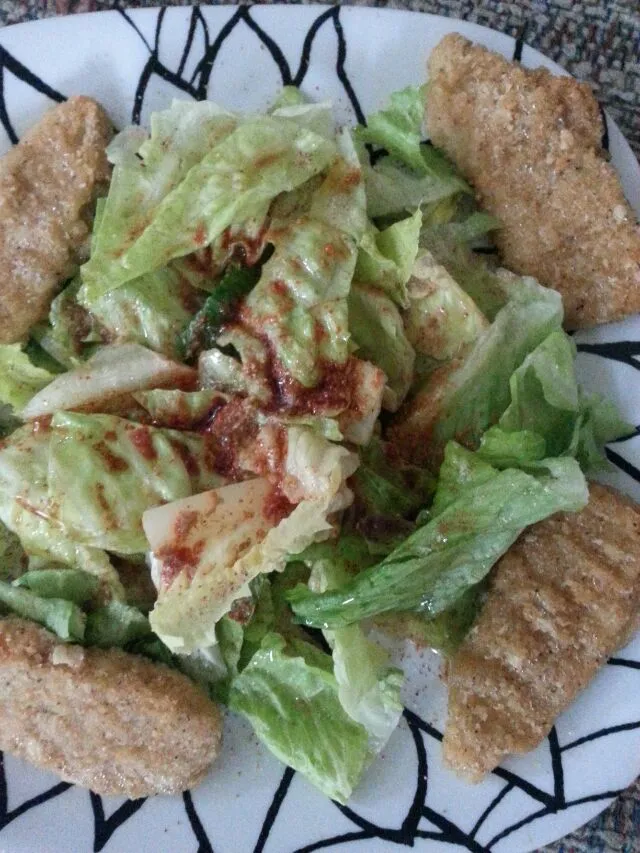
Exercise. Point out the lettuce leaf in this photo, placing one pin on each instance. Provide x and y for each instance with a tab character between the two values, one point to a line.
105	472
441	319
63	618
202	330
466	396
478	513
180	137
368	686
386	258
180	409
299	304
548	414
376	327
20	379
445	632
26	510
240	540
236	179
69	584
289	694
112	373
151	310
116	625
394	190
398	128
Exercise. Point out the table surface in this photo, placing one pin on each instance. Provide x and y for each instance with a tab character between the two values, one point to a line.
597	41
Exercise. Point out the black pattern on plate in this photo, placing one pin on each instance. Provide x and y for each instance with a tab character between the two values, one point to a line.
424	735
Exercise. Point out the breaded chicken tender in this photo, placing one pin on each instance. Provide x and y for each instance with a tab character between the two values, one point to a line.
530	144
562	600
113	722
48	183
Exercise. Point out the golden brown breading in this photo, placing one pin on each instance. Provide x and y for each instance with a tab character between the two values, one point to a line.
48	182
529	143
562	599
113	722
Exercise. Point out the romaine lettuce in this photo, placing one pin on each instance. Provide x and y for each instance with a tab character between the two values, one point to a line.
386	258
289	694
377	328
478	513
20	379
236	178
105	472
239	540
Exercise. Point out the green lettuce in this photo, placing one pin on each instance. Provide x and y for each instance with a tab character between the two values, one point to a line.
237	178
20	379
291	697
441	319
151	310
548	414
104	472
478	514
386	258
116	625
445	632
63	618
202	330
180	137
398	128
69	584
394	190
376	327
300	302
240	542
180	409
469	394
368	686
25	509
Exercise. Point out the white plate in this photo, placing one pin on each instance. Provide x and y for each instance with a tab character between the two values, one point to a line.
135	63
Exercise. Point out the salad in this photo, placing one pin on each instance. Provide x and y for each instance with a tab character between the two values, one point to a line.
204	458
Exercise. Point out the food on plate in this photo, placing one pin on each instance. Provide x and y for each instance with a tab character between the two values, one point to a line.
291	395
562	600
48	185
530	144
113	722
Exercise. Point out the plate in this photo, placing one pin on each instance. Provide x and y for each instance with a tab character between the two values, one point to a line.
135	62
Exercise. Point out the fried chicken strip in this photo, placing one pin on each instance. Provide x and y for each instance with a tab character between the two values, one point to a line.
48	183
113	722
530	144
562	600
